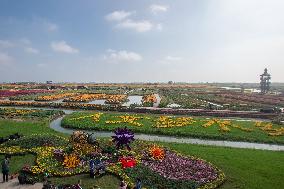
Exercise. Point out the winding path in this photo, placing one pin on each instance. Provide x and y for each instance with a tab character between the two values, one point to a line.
56	125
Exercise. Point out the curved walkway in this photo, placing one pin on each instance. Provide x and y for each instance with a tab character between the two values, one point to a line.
56	125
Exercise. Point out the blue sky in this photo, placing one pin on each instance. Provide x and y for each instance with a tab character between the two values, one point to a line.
141	41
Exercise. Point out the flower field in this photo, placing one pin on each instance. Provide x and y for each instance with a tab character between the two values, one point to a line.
8	93
10	113
58	157
210	128
54	97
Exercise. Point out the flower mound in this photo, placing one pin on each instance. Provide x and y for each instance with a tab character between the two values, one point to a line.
71	161
123	137
157	152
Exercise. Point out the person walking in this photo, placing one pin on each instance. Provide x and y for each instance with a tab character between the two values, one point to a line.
92	168
138	184
5	168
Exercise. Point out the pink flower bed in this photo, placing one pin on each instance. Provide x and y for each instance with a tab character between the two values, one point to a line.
178	167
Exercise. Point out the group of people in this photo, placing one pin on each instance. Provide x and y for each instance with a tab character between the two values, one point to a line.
138	184
95	166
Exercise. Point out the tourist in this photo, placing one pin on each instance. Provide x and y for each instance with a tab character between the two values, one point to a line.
5	168
122	185
92	168
138	184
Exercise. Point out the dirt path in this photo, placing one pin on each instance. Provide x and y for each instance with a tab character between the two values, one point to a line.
14	184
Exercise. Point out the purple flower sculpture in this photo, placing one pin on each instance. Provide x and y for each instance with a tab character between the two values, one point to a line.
123	137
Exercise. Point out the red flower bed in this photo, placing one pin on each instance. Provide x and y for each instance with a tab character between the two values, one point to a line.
8	93
127	162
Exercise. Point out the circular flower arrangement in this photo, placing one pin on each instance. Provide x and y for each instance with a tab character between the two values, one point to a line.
164	169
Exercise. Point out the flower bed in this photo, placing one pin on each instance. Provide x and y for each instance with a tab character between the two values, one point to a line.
66	159
9	93
55	97
29	113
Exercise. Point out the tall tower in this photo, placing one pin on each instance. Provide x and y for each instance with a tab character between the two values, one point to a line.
265	81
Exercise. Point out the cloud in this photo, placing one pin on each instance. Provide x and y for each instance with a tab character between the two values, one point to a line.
6	44
118	15
51	27
139	26
31	50
121	56
25	41
5	59
41	65
62	46
155	9
173	58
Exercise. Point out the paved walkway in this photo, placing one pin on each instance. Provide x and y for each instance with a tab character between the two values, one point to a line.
14	184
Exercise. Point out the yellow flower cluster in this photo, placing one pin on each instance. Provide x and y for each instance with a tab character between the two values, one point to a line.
110	99
210	122
223	125
96	117
168	122
86	97
115	99
11	112
12	150
149	98
55	96
71	161
268	128
132	120
37	169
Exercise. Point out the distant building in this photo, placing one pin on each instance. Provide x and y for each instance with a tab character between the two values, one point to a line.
48	82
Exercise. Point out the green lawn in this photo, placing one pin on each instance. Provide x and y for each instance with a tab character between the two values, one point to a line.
8	127
105	182
194	130
244	168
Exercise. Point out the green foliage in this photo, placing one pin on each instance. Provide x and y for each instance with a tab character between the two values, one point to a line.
37	141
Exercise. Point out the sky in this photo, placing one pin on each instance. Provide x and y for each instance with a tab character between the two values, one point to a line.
141	40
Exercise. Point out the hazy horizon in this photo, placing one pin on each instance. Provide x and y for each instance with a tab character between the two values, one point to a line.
193	41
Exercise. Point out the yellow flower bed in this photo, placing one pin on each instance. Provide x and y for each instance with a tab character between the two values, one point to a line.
132	120
149	98
87	97
115	99
169	122
96	117
71	161
55	96
268	128
11	112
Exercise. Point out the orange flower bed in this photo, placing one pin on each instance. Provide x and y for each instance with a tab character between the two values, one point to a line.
55	96
149	98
